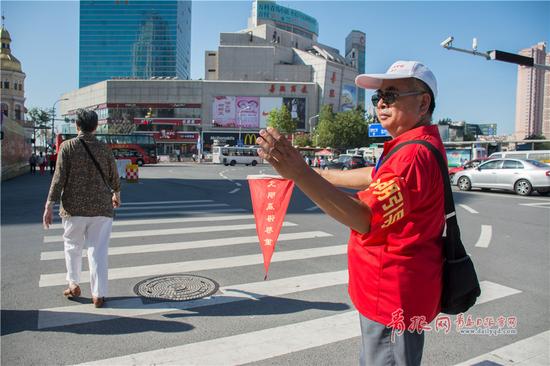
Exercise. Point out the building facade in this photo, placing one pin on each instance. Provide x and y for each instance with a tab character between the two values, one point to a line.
16	135
530	94
281	45
134	39
355	52
546	104
177	112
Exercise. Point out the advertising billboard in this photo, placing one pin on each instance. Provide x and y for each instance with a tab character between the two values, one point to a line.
457	157
267	104
247	111
297	109
269	10
348	98
223	112
235	112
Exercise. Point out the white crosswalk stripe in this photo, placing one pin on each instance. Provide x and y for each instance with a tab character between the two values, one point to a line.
159	232
241	347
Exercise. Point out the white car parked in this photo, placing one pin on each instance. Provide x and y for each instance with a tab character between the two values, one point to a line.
520	176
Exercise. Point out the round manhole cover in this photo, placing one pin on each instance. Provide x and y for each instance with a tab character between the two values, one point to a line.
176	287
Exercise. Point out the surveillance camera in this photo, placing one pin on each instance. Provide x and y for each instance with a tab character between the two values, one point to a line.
447	43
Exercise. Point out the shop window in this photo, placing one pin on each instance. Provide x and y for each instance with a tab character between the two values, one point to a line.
6	84
18	113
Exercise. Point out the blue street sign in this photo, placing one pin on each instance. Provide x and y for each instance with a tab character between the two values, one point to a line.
376	130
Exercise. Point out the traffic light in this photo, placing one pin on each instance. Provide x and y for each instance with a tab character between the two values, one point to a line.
511	57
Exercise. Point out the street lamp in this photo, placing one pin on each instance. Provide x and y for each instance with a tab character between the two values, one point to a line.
311	124
495	54
240	121
53	119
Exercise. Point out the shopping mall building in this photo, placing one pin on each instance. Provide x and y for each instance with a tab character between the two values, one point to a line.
276	60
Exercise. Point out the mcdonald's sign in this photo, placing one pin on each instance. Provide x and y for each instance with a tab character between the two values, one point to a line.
250	139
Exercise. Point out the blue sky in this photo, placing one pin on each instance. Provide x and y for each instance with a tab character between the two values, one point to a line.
45	39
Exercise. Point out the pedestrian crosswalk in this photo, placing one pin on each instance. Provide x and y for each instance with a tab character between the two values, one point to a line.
165	233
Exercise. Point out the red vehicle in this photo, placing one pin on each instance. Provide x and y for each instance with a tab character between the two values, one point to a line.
140	149
467	165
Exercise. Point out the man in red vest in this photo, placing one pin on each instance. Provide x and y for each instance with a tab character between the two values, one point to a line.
396	219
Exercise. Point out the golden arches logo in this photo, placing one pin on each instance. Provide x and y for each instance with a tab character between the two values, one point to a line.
250	139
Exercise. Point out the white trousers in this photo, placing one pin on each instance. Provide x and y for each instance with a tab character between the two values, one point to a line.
94	232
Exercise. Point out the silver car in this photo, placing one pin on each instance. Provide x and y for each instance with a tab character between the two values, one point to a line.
520	176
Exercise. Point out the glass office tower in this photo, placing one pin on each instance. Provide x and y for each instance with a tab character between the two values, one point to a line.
134	38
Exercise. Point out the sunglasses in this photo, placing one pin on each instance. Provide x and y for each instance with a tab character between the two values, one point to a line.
391	96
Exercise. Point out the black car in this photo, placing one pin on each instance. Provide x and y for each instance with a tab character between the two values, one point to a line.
346	162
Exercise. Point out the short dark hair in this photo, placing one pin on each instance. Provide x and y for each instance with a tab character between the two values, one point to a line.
86	120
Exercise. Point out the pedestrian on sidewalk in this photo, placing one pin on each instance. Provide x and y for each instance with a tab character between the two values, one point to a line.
52	159
41	162
88	193
32	163
396	219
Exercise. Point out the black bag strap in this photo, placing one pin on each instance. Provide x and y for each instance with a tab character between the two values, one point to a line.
96	165
454	250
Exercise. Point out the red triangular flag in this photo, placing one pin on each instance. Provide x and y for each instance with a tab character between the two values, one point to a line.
270	197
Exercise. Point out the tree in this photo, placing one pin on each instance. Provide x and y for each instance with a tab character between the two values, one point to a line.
282	121
301	140
41	120
539	145
343	129
444	121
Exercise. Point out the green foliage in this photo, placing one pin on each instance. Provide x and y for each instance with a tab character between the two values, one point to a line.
539	145
342	130
469	137
281	119
301	140
444	121
39	117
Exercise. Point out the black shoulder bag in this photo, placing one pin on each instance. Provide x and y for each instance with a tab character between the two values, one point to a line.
460	284
96	165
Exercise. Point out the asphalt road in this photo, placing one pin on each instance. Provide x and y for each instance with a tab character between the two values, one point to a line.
196	219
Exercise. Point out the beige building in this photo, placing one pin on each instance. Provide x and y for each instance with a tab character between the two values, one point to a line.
530	94
546	108
16	143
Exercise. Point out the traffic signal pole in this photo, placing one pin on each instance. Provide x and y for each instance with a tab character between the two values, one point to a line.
495	55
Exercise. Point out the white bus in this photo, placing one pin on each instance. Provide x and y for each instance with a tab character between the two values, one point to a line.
231	155
541	155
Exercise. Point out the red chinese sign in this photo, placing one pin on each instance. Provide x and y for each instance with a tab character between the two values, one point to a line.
270	197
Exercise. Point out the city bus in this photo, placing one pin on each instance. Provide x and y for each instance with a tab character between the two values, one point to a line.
140	149
541	155
231	155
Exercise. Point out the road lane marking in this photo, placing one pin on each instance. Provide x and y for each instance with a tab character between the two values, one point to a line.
172	220
468	208
485	236
492	291
158	232
539	204
234	191
171	207
258	345
164	213
164	247
158	202
238	184
133	307
250	347
312	208
58	279
528	351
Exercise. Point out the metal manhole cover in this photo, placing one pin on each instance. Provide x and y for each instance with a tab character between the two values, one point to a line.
176	287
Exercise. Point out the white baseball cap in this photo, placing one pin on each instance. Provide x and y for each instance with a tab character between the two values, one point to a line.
399	70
